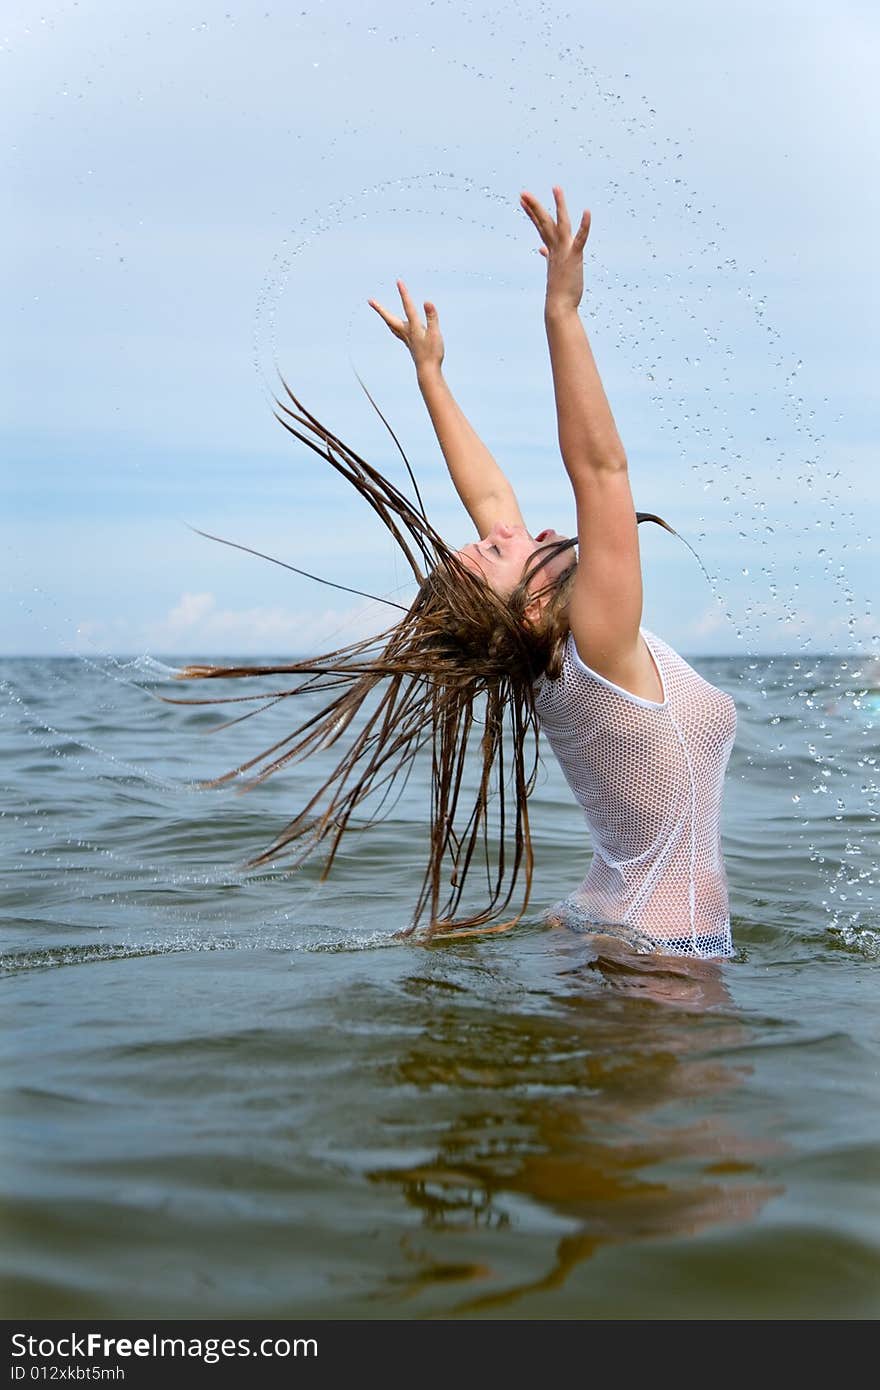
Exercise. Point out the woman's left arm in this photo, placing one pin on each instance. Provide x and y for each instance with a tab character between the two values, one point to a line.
605	609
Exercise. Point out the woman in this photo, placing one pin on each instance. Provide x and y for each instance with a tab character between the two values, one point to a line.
642	739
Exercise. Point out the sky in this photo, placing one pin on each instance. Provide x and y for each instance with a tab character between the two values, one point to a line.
205	193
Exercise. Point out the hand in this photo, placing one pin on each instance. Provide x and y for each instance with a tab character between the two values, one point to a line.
424	341
564	253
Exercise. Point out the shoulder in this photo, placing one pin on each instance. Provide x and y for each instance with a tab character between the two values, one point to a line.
635	672
582	683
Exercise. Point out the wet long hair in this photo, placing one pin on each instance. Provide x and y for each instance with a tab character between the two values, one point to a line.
453	680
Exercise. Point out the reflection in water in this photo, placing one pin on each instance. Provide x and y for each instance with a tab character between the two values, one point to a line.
584	1116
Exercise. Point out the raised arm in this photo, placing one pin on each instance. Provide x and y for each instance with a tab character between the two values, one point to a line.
606	602
479	482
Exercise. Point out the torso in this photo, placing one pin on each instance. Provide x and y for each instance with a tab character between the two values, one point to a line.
646	762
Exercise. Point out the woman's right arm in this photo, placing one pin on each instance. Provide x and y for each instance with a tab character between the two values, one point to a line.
482	486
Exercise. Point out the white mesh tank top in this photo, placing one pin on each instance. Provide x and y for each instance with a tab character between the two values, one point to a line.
649	778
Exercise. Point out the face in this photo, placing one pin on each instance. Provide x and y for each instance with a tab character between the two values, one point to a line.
502	555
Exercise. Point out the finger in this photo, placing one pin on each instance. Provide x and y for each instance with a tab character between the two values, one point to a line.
583	231
430	314
396	325
563	221
408	305
541	218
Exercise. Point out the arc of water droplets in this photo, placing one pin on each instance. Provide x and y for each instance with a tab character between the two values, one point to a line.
574	57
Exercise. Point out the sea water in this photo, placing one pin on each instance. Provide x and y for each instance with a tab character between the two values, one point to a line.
239	1093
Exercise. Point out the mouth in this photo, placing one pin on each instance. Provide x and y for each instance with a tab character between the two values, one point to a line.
545	535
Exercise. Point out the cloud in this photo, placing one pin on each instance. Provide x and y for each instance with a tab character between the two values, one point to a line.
709	621
196	623
196	626
191	609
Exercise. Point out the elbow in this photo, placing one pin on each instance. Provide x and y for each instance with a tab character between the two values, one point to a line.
592	461
616	462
